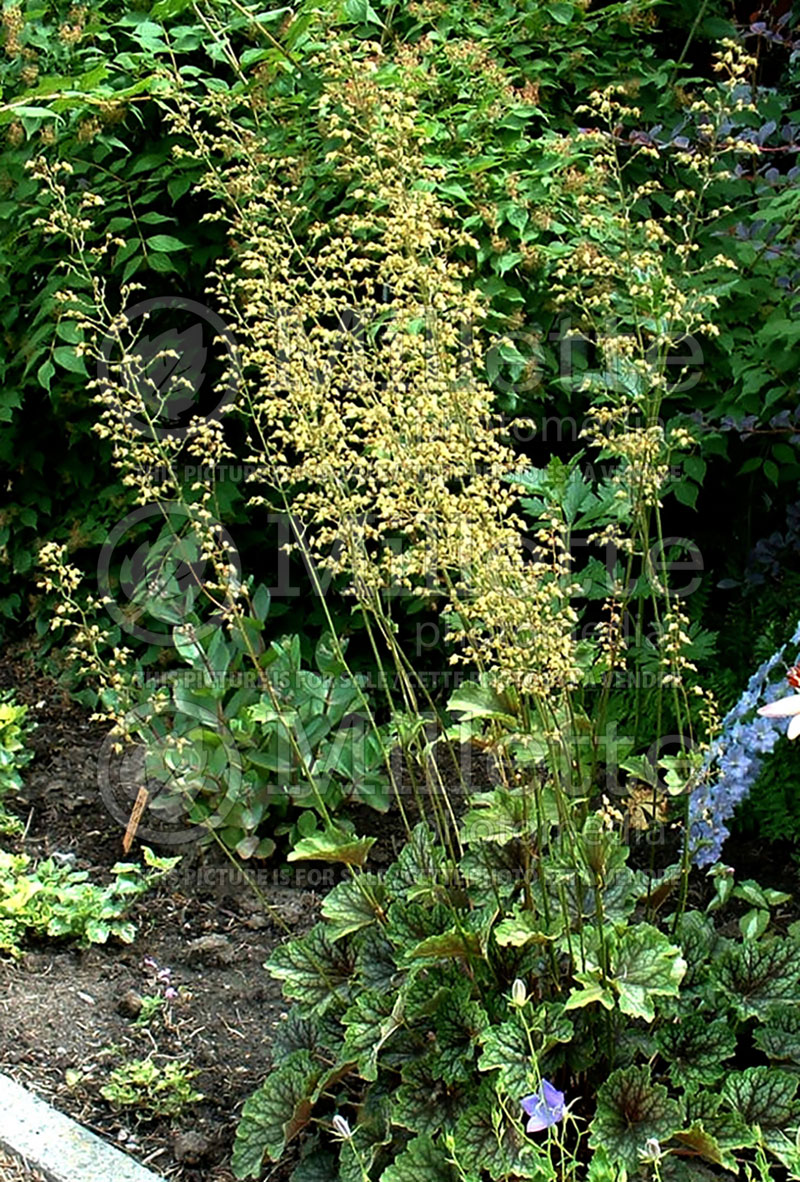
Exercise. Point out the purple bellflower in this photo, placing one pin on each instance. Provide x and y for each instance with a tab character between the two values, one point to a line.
545	1107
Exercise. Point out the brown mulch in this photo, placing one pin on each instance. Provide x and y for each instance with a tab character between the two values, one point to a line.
14	1169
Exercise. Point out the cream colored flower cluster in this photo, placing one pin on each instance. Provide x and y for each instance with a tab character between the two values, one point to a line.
369	413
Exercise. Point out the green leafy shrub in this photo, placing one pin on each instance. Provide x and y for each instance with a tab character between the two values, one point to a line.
251	755
52	899
15	727
242	742
428	1003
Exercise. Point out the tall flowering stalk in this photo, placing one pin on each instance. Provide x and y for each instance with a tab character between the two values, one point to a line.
747	734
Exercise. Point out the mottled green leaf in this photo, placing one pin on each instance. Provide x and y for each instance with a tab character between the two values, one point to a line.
424	1103
333	846
313	970
369	1023
696	1048
353	904
755	976
506	1049
520	930
763	1096
646	965
274	1114
779	1037
421	1160
487	1140
630	1110
416	873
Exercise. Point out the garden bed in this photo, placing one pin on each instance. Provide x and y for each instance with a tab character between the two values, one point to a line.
67	1014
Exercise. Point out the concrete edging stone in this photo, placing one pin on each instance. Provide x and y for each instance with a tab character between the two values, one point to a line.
58	1146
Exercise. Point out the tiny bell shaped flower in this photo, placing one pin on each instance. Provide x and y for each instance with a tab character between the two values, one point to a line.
785	708
519	994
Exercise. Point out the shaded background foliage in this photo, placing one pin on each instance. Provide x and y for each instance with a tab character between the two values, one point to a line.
88	85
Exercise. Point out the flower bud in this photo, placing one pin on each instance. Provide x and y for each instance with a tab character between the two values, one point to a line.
341	1127
652	1151
519	994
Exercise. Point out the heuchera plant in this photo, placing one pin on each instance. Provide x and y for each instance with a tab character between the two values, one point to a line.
446	1013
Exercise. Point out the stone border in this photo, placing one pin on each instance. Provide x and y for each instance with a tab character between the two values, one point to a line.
58	1146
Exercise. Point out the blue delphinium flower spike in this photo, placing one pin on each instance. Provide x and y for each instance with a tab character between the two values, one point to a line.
737	755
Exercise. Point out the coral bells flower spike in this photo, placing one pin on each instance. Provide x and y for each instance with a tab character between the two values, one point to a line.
785	708
545	1107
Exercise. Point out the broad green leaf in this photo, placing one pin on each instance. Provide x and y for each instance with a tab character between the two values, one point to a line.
333	846
630	1110
313	970
166	9
472	700
165	243
754	923
700	1142
592	991
646	965
353	904
421	1159
501	816
66	356
758	896
274	1114
520	930
361	12
453	943
44	374
561	11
